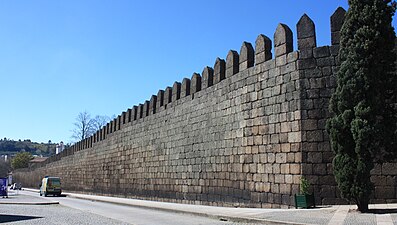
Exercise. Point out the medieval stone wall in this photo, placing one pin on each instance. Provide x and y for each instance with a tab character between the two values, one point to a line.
240	134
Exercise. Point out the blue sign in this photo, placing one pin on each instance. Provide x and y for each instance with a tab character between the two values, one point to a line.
3	186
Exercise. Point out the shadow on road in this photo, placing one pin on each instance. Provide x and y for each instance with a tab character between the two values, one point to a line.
14	218
382	211
56	196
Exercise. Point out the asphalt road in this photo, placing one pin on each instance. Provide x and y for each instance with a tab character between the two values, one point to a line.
79	211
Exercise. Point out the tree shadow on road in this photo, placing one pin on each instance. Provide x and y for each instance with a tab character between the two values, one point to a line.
382	211
4	218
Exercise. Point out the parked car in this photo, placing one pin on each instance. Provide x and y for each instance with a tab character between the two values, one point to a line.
50	185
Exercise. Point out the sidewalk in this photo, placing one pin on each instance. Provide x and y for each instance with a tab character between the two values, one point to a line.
333	215
15	198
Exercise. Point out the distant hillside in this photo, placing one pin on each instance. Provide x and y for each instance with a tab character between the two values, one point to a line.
11	147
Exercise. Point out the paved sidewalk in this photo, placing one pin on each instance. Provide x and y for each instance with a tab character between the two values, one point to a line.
383	214
15	198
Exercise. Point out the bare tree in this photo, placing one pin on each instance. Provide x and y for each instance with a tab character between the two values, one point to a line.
100	121
83	126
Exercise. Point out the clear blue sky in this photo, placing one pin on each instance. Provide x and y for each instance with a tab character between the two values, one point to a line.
58	58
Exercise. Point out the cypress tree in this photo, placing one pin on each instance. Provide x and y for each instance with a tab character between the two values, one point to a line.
363	106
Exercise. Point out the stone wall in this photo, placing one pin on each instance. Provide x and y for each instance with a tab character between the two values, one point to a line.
241	134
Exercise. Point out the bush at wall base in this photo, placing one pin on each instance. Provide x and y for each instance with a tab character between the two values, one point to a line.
304	201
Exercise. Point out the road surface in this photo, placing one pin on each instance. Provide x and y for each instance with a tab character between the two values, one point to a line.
79	211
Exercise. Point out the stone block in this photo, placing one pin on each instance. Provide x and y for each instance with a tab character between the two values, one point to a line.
124	117
176	91
323	62
263	47
309	63
160	99
118	122
306	33
294	137
306	53
383	192
283	42
219	70
281	61
314	157
295	168
246	59
389	168
140	111
195	83
232	63
321	52
135	113
292	57
314	136
377	170
145	111
167	95
185	88
306	43
320	169
153	105
337	20
279	179
207	77
281	158
334	50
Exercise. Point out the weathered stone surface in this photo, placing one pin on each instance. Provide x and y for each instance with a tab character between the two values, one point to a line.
306	63
118	122
195	83
305	27
385	192
146	108
321	52
185	89
153	105
334	50
389	169
124	117
232	63
219	70
246	56
176	91
167	95
160	99
135	114
263	49
112	129
337	20
283	42
207	77
306	33
141	113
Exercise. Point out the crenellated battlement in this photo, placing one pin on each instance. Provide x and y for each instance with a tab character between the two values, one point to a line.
235	63
242	132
